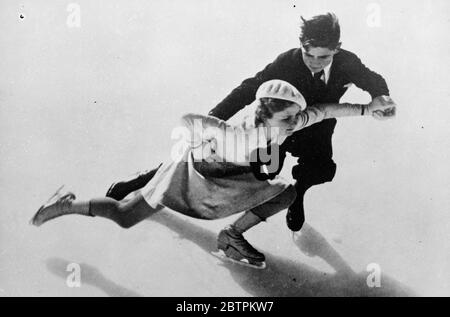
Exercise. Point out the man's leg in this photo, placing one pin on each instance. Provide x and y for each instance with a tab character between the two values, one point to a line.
307	175
313	146
120	190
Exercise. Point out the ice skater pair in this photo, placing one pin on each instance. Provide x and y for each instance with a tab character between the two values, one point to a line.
214	185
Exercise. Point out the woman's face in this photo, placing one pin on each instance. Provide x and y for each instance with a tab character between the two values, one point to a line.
285	120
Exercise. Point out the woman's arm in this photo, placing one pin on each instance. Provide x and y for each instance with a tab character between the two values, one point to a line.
201	128
215	139
321	112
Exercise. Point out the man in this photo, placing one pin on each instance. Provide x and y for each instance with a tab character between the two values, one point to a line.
322	72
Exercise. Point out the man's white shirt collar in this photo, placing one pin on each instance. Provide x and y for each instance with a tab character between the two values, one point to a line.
326	73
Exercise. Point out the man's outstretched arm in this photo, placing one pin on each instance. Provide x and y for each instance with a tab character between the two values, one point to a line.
365	78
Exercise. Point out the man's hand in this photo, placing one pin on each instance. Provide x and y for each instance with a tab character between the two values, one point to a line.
382	108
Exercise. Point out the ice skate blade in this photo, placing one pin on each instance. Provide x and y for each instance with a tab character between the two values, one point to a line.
221	255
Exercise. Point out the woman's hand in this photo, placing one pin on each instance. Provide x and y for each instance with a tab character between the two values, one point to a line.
382	108
206	151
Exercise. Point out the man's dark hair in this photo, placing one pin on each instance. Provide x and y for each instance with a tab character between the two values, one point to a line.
320	31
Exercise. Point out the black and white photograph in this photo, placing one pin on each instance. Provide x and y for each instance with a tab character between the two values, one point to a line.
254	149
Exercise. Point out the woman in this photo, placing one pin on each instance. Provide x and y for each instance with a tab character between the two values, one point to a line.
218	171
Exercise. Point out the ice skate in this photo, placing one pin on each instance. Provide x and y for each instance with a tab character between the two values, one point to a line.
119	190
234	248
57	205
295	218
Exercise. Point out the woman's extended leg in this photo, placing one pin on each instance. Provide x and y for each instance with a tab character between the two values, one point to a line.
125	213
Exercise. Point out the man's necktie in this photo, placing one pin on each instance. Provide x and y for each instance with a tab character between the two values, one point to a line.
319	85
317	79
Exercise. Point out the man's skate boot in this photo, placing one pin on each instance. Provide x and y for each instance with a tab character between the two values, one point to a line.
120	190
295	218
56	206
233	246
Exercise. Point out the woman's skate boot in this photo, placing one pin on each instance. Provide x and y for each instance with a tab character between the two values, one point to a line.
56	206
233	246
